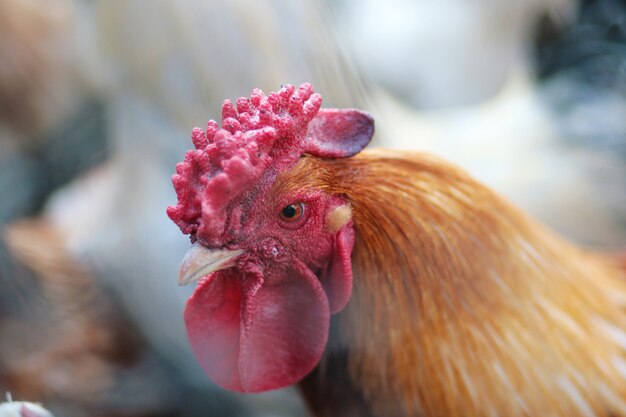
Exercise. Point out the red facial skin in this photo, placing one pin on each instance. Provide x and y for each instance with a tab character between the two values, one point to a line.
263	323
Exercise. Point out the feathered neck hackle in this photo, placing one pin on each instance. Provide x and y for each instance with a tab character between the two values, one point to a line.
463	304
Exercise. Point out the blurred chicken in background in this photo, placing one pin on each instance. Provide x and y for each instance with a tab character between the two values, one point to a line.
51	125
64	342
528	96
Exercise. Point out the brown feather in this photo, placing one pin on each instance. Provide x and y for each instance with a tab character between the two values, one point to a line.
464	306
64	342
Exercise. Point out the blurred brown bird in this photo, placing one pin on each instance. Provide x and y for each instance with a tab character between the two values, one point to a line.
64	343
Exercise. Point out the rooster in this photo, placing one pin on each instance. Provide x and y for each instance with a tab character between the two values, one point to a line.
461	305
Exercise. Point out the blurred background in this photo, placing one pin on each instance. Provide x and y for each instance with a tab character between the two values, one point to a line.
97	102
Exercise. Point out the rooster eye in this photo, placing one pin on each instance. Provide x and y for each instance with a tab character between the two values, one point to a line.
292	213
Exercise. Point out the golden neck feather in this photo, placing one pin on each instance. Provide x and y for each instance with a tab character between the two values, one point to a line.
462	303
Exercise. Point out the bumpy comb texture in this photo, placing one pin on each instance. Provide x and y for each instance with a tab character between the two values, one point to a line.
256	134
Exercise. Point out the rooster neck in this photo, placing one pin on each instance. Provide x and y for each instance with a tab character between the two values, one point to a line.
462	304
329	390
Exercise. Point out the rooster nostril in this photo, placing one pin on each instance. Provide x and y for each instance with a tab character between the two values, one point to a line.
271	249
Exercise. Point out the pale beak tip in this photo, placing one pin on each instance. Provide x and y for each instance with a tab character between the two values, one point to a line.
200	261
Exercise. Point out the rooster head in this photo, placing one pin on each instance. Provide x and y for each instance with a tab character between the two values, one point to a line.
273	262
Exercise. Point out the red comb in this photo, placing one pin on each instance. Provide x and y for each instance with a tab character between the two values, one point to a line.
256	134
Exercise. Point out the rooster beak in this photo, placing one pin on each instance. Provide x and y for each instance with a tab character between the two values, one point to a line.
200	261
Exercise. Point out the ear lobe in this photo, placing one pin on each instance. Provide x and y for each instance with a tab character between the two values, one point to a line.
337	279
339	133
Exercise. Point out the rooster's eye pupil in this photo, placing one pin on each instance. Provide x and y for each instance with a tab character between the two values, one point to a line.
292	213
289	211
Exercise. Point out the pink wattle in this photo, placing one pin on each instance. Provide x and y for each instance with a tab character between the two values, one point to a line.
257	333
